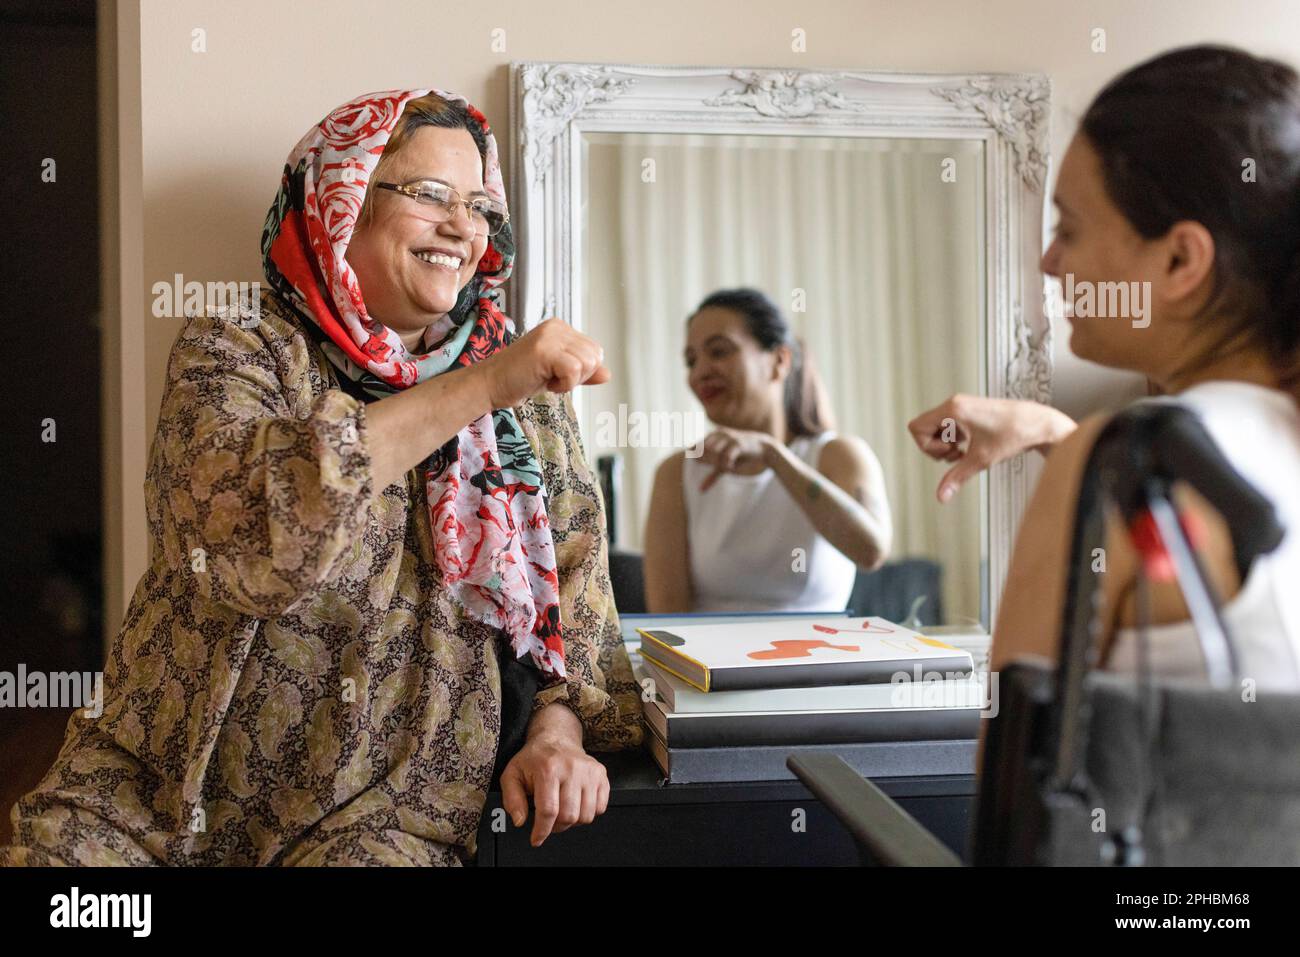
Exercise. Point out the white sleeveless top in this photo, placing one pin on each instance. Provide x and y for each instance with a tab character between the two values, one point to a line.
743	533
1258	431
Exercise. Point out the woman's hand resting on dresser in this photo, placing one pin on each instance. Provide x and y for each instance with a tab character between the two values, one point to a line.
568	785
975	432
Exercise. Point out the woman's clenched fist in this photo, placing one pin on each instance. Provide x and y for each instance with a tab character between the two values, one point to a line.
552	355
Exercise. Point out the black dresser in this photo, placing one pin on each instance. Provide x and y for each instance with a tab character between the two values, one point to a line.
771	823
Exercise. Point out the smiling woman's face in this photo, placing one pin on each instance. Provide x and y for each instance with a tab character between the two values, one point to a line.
400	288
736	380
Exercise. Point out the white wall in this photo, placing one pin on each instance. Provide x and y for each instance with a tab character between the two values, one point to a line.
216	126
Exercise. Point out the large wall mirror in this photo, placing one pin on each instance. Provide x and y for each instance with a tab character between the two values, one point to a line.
896	221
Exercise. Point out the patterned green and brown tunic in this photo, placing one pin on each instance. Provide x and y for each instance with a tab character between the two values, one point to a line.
292	683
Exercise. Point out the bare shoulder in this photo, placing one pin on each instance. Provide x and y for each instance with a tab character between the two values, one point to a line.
847	453
1048	516
671	468
1070	455
1036	583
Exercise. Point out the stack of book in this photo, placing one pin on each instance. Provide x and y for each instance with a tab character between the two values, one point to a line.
731	701
968	637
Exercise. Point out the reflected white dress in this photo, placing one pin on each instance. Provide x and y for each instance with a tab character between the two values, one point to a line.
753	549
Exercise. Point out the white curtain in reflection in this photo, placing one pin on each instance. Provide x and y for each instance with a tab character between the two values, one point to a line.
888	254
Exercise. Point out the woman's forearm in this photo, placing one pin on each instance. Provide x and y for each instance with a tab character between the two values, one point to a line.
1055	428
402	430
837	516
555	722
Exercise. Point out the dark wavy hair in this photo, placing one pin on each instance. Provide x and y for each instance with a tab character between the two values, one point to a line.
1174	135
807	411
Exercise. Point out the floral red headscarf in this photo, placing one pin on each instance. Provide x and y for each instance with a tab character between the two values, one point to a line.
492	538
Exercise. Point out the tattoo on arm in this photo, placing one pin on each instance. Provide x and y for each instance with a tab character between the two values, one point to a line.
814	489
860	495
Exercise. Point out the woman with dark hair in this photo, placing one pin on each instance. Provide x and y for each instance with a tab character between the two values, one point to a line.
1182	184
773	510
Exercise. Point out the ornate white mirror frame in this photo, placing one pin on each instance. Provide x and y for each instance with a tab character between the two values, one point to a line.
554	104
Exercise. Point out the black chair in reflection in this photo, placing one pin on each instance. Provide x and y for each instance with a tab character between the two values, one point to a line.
625	574
890	591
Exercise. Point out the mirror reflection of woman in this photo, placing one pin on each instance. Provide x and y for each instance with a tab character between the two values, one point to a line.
773	510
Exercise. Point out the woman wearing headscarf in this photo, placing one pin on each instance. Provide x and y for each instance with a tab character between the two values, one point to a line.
378	579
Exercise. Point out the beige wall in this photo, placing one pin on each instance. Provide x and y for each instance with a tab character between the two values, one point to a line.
216	126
